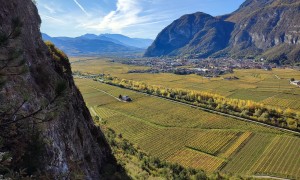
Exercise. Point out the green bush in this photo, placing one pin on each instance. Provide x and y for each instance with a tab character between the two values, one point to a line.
60	58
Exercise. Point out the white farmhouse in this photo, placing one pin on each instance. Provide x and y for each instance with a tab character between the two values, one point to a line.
296	83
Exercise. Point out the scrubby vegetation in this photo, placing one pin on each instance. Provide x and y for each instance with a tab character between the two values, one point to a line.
60	58
283	54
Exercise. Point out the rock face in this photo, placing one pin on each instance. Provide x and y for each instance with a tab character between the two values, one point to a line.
269	28
197	33
38	92
265	28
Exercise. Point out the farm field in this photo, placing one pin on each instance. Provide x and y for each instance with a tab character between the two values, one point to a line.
191	137
243	161
279	157
253	84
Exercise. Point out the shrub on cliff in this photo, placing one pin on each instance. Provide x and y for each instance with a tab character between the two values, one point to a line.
60	59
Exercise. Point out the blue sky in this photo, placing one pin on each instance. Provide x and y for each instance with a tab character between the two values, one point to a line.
134	18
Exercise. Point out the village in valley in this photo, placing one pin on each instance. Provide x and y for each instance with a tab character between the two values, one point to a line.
128	96
209	67
206	68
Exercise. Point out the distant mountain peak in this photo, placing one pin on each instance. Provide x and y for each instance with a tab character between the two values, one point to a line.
134	42
259	28
90	36
91	44
196	33
115	38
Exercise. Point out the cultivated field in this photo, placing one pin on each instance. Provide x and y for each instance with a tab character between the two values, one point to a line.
191	137
269	87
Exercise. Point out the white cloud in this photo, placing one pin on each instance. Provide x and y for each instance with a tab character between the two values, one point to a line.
81	7
53	19
126	14
50	9
139	18
125	17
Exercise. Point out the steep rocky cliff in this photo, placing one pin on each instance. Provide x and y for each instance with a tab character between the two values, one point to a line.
44	125
259	28
270	28
197	33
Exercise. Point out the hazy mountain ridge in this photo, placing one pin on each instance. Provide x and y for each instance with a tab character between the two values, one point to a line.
259	27
120	39
134	42
91	44
103	38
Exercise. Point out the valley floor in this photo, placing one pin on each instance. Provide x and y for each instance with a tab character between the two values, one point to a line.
268	87
194	138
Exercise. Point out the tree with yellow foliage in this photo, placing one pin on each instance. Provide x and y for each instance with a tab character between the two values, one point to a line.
243	108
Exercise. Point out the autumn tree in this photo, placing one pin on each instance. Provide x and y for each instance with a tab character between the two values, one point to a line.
243	108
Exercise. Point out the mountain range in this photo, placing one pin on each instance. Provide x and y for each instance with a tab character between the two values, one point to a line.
91	44
268	29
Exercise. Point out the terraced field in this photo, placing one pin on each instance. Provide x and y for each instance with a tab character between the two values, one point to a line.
191	137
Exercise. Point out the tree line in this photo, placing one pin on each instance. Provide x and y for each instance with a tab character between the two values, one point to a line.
275	116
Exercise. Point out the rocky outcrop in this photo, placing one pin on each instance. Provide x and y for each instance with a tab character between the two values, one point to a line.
45	124
262	28
266	26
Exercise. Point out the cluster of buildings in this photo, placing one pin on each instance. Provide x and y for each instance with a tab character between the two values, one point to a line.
211	67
